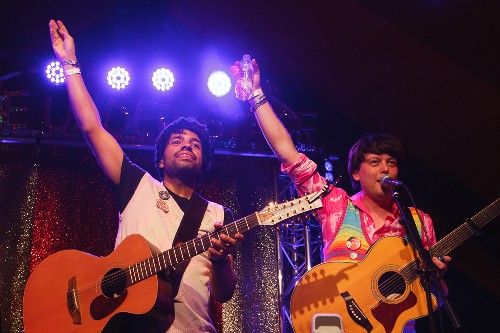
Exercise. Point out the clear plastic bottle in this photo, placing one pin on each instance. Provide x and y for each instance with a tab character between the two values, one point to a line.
244	83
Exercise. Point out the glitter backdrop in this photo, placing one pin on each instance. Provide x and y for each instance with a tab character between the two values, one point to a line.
18	177
55	197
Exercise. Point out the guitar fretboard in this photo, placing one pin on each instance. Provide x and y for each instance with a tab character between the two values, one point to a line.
181	253
466	230
456	237
273	214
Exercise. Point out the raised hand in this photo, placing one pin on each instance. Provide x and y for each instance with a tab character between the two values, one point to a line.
62	42
256	73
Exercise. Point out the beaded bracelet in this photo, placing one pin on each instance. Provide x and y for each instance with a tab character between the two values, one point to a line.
72	71
256	99
259	103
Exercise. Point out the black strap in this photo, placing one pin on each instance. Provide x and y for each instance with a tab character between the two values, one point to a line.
191	221
188	229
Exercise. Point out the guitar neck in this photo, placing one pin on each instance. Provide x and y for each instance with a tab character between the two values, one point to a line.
455	238
466	230
176	255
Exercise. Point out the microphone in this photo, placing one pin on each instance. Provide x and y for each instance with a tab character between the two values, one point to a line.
387	181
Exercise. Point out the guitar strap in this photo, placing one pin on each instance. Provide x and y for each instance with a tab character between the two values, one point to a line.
191	221
188	229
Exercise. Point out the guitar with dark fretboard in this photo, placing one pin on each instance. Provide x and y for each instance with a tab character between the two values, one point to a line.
382	292
72	291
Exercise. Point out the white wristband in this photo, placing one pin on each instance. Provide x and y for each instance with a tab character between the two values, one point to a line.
72	71
255	93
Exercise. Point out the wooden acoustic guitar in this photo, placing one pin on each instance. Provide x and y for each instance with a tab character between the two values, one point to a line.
382	292
72	291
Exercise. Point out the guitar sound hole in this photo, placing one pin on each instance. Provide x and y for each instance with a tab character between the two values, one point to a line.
391	285
114	283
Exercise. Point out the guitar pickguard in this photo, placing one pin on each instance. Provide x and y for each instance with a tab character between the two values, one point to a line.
387	313
103	306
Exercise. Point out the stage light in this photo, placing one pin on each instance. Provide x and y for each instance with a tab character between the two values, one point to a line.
163	79
329	176
55	72
118	78
219	83
328	166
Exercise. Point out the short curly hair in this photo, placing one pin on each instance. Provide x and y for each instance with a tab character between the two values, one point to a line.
372	143
178	126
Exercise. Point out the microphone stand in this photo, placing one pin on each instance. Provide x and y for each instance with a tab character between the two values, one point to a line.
429	271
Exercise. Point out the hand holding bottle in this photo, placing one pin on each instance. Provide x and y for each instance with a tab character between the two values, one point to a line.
247	81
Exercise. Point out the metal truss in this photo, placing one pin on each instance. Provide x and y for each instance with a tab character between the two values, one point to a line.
299	249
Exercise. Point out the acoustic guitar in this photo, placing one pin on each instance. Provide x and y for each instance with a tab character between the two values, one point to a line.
72	291
382	292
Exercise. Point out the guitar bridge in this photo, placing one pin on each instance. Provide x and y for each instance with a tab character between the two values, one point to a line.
72	300
355	312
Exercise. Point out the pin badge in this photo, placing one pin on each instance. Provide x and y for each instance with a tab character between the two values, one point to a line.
353	243
164	195
162	204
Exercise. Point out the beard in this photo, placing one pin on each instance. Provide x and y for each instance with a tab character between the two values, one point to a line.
183	170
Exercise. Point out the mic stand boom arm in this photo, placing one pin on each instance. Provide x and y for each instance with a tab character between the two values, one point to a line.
429	271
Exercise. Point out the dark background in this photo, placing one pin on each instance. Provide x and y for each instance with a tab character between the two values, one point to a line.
424	70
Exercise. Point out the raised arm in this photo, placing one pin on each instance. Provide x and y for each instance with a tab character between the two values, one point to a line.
275	133
106	149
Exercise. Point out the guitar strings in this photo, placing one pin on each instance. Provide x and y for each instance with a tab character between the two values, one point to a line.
387	288
451	241
242	225
391	284
110	280
408	273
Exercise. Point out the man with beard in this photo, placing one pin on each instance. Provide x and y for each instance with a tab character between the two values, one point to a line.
154	209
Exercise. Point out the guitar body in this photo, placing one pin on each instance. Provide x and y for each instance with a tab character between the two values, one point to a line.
373	286
127	291
46	307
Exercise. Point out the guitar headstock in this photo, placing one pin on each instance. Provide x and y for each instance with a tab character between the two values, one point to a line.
275	213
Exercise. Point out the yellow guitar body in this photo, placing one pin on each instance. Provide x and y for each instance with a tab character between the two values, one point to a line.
370	296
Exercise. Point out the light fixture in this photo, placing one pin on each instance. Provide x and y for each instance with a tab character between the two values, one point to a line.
55	72
163	79
118	78
219	83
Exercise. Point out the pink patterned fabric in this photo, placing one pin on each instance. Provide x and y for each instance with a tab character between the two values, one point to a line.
307	180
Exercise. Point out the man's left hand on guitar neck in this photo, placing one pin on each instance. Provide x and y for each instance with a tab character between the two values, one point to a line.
441	264
221	254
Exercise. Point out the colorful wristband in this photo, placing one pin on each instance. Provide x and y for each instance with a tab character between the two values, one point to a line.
73	63
261	101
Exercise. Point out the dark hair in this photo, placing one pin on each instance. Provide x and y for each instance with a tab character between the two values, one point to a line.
372	143
178	126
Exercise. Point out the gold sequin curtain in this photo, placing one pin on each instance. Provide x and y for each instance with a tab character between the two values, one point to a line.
56	197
